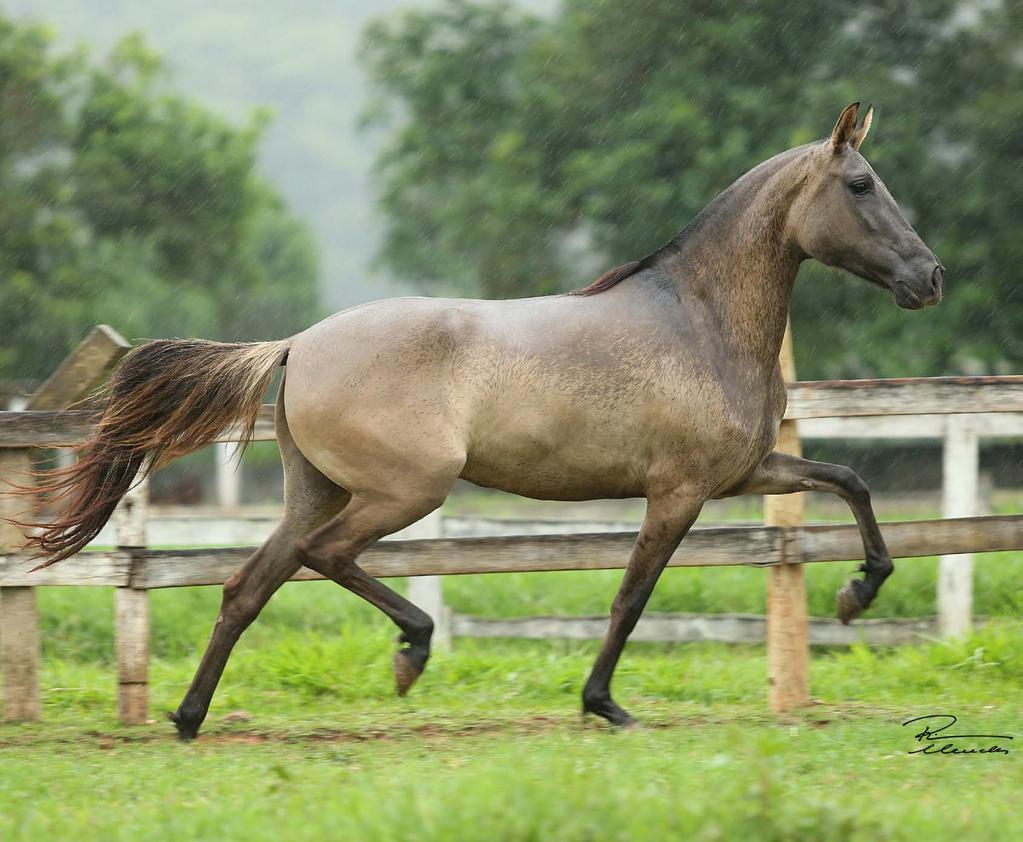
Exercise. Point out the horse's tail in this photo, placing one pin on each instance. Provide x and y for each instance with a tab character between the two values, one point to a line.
166	398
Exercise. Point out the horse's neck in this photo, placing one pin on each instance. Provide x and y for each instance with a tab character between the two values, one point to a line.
739	264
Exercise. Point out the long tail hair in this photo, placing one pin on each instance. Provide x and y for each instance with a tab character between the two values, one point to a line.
166	398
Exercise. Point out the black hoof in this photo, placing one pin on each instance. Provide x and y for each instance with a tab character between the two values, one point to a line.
187	729
851	600
605	708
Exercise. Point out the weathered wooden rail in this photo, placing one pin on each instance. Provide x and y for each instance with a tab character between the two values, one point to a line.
784	546
926	396
753	546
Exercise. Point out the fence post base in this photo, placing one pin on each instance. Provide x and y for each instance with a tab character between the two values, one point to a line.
132	641
788	675
20	635
19	620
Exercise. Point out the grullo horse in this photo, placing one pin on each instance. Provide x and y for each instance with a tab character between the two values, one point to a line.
659	380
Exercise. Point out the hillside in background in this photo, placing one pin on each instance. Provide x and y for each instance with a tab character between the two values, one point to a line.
297	58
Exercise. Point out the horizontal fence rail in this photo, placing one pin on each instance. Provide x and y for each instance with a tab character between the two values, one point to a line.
697	628
807	399
760	546
904	396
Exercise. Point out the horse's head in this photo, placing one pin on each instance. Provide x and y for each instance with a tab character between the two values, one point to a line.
845	217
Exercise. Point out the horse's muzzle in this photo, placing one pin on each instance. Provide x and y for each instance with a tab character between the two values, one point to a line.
916	296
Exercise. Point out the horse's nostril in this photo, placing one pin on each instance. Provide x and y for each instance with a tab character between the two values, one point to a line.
936	276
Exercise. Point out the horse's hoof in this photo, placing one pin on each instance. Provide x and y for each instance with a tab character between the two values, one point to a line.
619	721
186	730
608	710
850	601
406	671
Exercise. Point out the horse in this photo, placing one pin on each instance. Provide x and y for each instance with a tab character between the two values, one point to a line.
660	380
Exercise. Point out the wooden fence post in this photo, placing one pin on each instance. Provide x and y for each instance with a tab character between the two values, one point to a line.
427	591
19	624
788	648
959	499
132	613
85	368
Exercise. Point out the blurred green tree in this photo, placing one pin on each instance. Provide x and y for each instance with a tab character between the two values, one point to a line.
524	155
121	202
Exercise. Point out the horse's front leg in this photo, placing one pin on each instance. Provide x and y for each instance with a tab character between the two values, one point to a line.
667	520
780	473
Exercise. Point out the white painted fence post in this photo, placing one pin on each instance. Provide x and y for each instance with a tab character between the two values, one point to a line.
959	499
229	474
426	591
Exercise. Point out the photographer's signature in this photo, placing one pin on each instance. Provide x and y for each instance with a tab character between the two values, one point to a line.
934	740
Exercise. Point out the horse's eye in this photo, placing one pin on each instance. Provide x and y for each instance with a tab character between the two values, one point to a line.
861	186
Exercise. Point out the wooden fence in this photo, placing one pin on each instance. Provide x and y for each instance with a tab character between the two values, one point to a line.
133	569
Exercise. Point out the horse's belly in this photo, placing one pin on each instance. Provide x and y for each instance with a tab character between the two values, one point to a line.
576	473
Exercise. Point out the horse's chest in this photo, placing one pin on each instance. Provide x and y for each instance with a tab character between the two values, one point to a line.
730	434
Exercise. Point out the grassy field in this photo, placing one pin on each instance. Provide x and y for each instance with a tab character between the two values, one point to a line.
307	741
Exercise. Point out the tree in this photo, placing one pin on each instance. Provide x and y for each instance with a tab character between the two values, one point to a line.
121	202
525	155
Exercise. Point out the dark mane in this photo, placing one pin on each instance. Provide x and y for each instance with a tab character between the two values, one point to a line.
613	277
610	278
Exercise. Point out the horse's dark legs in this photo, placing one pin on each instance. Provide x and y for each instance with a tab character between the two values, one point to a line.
332	550
310	501
780	473
665	525
245	594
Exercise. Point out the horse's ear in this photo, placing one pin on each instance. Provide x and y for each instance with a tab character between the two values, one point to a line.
864	127
845	128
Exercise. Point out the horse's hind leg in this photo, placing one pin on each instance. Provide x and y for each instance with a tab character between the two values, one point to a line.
245	594
332	551
310	501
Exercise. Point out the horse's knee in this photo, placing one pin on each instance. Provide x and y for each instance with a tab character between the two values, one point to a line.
853	487
628	608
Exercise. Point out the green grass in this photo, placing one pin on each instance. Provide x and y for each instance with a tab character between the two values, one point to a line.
490	746
306	740
841	781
